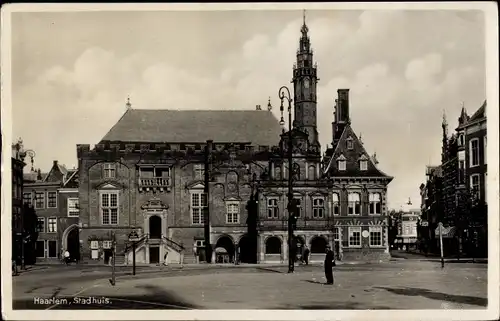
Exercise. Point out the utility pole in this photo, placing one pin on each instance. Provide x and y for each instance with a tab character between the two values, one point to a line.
112	280
441	243
204	201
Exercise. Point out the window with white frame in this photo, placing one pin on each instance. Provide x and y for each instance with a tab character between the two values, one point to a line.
40	228
94	250
28	198
354	206
109	208
39	200
375	236
272	208
109	170
363	165
52	225
375	203
51	199
335	204
318	207
474	185
354	236
107	244
336	233
198	203
73	208
342	164
232	212
485	161
298	201
474	152
200	243
199	171
94	245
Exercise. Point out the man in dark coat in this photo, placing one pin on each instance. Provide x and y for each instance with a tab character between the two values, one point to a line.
329	264
305	255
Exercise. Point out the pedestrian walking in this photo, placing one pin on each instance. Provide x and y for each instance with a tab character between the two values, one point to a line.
165	259
66	257
305	255
329	264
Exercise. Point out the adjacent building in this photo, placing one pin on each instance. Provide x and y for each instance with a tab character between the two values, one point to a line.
54	196
17	161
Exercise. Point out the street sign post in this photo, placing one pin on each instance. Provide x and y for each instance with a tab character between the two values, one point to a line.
441	243
134	238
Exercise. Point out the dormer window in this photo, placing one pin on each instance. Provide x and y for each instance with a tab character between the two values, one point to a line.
341	163
350	144
363	163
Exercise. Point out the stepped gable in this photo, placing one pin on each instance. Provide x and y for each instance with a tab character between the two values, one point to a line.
257	127
352	157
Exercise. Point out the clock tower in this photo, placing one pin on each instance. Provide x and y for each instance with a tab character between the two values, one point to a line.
304	83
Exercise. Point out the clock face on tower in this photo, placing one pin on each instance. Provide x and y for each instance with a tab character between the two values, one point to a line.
306	82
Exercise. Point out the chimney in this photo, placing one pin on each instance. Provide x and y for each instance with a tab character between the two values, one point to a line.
55	163
257	107
342	111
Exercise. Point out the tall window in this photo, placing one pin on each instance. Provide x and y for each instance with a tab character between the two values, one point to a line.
375	204
336	233
354	204
272	208
318	207
375	235
461	172
474	152
354	236
41	225
52	225
39	200
27	198
474	185
363	165
298	201
312	172
198	203
109	208
485	149
199	171
73	209
277	173
51	199
335	204
109	170
233	212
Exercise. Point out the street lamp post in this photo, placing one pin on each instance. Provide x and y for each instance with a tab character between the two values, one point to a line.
133	237
284	94
113	246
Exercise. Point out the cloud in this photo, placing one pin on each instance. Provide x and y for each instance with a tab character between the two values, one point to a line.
402	68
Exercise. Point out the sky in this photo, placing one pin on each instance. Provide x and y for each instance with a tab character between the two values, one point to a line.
73	71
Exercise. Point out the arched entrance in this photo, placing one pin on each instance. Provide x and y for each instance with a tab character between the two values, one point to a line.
318	245
73	243
273	245
155	227
247	250
224	250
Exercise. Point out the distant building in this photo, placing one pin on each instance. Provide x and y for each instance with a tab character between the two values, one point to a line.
17	161
54	195
407	229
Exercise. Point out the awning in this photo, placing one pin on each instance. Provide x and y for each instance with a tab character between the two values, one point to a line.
448	232
221	250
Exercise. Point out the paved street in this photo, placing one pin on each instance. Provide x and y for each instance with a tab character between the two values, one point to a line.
404	284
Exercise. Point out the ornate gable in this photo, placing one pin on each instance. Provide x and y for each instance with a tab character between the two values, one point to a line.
109	186
350	149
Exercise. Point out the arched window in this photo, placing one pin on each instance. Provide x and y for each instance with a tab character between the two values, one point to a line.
335	204
312	172
277	173
318	245
375	204
354	207
273	245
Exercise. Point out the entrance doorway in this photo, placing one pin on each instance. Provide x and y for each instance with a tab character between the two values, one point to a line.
318	245
73	244
108	255
155	227
154	254
247	250
226	256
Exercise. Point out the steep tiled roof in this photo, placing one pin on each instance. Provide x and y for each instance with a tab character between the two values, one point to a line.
31	177
352	157
480	113
71	179
195	126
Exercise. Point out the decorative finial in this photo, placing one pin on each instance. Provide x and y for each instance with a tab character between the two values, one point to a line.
304	28
304	16
257	107
361	138
128	104
269	106
444	118
409	201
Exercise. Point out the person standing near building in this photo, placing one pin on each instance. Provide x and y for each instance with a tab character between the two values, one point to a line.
66	257
305	255
329	264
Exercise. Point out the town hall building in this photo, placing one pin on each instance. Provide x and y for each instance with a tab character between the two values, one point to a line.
147	175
